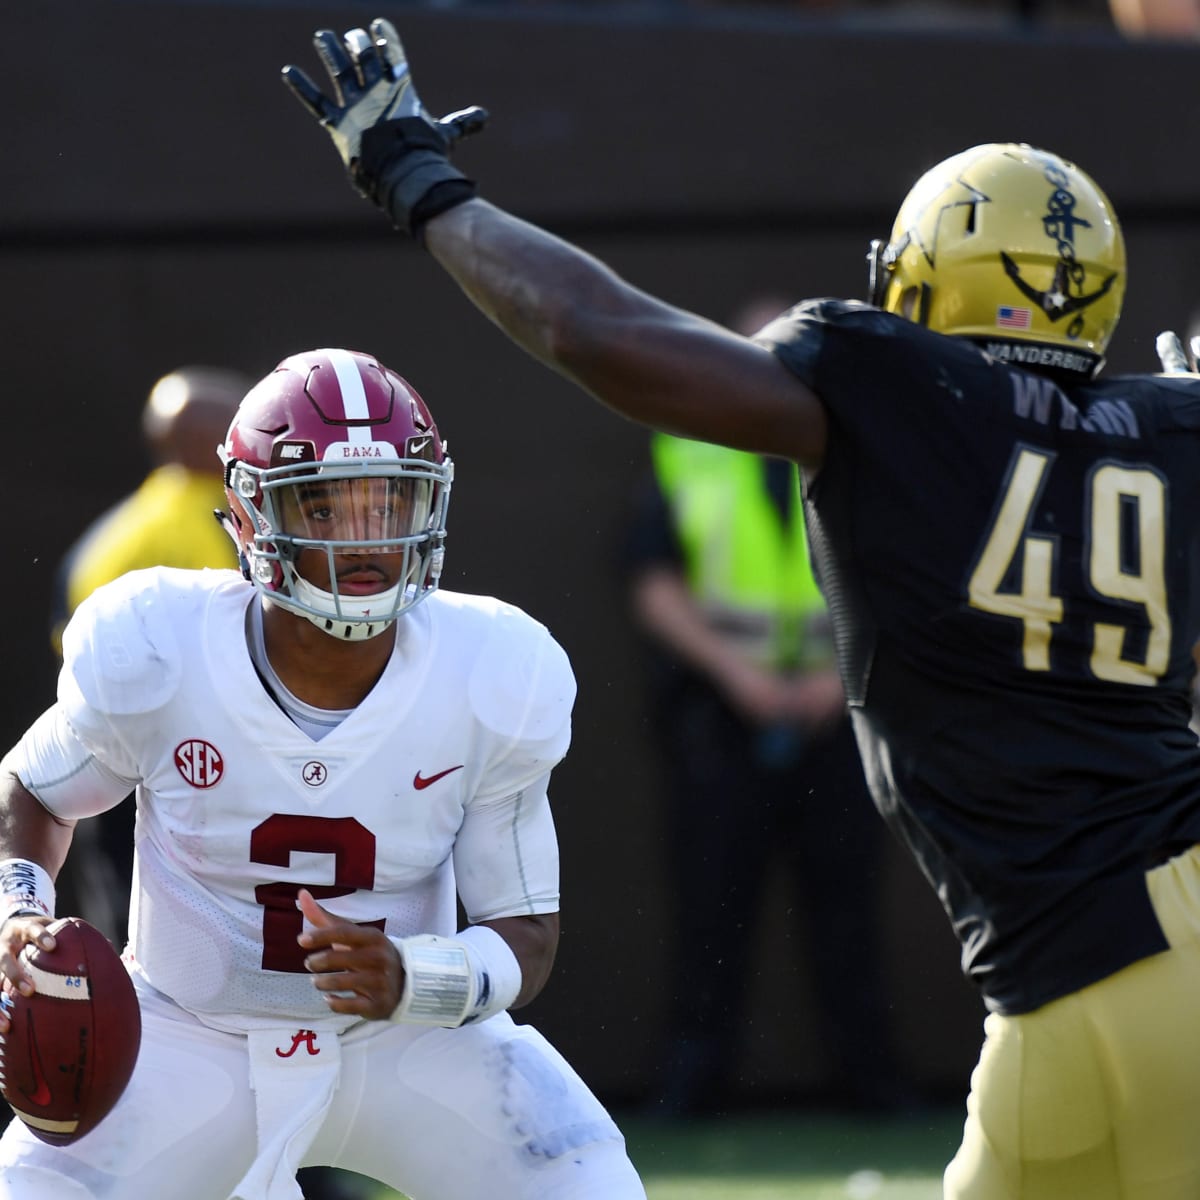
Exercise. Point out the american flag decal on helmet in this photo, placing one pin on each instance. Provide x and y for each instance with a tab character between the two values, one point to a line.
1009	317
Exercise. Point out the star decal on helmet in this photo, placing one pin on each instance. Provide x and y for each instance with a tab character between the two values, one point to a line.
1056	300
924	231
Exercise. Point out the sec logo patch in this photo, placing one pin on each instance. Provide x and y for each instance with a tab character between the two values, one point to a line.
199	762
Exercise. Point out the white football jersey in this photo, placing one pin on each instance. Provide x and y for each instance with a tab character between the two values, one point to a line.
434	784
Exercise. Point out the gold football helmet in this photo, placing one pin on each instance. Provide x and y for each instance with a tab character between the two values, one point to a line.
1012	247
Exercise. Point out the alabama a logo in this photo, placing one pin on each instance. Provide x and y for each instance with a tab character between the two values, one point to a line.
314	773
302	1037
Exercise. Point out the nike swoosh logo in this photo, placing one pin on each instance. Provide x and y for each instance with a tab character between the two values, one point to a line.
41	1092
420	782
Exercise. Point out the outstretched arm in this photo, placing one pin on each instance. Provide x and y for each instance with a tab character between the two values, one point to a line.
652	362
656	364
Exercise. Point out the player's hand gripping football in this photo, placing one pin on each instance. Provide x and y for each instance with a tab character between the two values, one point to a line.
395	152
355	966
15	934
1174	358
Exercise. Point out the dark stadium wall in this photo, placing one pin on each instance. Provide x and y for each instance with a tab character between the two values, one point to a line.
166	201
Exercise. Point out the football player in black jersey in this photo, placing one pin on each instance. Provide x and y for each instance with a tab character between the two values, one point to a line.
1007	542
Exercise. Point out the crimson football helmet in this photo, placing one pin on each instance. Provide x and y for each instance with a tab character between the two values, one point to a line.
338	484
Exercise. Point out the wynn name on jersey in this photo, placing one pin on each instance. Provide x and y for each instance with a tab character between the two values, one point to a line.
1040	399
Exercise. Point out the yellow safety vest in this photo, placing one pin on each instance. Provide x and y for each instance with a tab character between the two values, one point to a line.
746	566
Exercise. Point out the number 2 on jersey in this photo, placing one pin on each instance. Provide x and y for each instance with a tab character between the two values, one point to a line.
352	848
1121	500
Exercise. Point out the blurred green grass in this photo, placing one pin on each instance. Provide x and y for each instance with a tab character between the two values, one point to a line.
790	1155
800	1156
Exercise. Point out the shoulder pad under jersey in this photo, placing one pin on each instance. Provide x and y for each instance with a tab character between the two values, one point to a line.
521	684
120	647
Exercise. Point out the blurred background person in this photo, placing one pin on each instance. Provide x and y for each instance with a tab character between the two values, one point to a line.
1157	18
759	768
167	520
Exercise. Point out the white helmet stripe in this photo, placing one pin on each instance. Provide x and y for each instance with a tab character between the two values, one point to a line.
354	396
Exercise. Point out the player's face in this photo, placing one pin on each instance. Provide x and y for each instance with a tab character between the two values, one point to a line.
365	518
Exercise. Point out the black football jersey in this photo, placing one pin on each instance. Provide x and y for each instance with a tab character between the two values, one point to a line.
1013	569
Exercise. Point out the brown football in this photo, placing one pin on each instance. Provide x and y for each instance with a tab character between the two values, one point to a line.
72	1045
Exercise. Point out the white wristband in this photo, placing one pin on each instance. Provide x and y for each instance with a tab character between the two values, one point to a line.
454	981
25	889
497	971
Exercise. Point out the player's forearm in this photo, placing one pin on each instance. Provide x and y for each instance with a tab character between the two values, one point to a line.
545	294
654	363
631	351
534	942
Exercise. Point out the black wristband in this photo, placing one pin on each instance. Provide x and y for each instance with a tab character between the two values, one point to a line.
403	168
442	196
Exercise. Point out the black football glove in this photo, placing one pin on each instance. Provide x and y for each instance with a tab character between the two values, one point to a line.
396	153
1171	354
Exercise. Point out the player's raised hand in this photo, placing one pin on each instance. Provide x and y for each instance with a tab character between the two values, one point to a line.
1171	354
395	152
369	79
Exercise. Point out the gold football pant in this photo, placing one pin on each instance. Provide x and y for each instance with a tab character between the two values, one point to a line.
1096	1096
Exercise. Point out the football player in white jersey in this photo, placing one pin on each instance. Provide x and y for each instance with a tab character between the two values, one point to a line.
328	754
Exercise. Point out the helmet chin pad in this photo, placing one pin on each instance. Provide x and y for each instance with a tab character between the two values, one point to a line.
348	621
